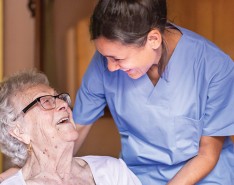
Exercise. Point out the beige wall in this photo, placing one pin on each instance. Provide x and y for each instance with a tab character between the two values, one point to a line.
66	15
18	36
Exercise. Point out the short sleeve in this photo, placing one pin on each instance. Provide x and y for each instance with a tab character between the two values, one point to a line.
90	99
219	114
16	179
126	176
108	170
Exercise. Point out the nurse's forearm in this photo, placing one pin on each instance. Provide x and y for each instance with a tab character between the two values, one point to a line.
201	165
193	171
6	174
83	132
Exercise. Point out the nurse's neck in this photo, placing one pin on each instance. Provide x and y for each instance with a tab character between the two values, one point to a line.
171	38
153	74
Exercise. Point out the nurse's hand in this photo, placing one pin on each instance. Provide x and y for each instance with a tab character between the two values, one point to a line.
201	165
8	173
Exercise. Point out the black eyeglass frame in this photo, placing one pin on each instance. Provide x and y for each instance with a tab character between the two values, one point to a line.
37	100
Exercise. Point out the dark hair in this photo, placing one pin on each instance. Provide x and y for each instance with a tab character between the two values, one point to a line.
129	21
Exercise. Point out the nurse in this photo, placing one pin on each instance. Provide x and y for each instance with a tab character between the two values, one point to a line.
169	90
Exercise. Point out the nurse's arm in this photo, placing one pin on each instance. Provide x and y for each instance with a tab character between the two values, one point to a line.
6	174
83	132
201	165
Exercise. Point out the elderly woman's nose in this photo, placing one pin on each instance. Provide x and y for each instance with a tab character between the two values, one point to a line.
61	104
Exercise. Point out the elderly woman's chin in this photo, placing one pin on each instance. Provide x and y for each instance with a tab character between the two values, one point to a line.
67	131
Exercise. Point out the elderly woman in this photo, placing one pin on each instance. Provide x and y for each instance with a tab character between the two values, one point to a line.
38	133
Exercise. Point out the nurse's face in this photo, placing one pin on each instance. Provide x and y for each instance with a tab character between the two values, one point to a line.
133	60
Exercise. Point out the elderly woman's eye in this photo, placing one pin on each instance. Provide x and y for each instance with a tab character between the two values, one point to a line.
46	100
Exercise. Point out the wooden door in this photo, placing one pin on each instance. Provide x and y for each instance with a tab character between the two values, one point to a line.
213	19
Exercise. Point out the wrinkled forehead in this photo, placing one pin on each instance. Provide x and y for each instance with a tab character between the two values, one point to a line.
28	94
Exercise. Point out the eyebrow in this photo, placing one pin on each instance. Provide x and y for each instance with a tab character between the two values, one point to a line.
116	58
110	56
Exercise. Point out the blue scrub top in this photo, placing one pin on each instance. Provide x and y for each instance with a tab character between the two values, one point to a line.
161	126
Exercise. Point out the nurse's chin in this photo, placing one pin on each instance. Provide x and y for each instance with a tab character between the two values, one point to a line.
134	76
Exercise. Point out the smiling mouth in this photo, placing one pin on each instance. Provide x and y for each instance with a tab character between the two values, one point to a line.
126	70
63	121
129	72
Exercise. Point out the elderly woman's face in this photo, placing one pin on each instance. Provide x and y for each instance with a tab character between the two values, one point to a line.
46	126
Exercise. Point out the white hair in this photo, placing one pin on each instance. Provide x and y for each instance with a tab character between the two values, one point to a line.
15	84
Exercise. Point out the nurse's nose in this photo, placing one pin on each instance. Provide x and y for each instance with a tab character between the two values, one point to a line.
113	66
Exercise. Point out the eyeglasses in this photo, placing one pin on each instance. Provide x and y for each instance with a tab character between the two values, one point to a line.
48	102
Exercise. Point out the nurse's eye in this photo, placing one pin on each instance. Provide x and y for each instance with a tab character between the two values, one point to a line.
111	59
117	60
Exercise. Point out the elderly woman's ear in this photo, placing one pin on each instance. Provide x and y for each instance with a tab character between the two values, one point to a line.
18	133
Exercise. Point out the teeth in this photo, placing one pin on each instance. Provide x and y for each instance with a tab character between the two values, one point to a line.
62	120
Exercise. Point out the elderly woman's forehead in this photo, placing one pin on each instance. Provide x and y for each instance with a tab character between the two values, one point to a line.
39	88
30	93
